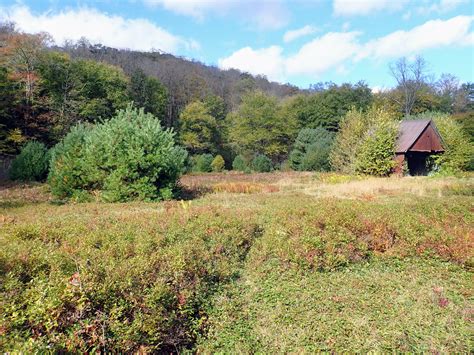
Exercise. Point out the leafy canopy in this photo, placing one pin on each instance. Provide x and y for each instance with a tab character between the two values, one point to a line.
262	125
328	104
148	92
198	128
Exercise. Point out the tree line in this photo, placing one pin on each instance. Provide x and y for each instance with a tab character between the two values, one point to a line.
46	90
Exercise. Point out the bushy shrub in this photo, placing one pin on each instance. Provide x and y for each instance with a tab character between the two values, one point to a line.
311	150
32	163
127	157
365	142
67	175
202	163
239	163
218	163
459	150
375	156
262	164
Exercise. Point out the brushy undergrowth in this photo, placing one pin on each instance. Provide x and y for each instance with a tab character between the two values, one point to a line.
346	276
115	285
259	270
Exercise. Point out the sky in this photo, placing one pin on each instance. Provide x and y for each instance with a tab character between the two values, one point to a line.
300	42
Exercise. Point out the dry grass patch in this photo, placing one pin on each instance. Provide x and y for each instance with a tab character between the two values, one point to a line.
369	188
244	188
17	194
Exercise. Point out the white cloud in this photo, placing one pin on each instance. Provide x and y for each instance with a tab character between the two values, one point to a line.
338	50
432	34
377	89
323	53
263	14
440	6
300	32
192	8
266	61
365	7
97	27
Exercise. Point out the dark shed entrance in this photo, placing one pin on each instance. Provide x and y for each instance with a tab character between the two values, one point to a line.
417	140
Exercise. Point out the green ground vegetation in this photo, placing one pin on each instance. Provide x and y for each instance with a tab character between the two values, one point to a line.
272	262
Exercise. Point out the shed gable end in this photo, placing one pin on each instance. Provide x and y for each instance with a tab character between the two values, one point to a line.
428	141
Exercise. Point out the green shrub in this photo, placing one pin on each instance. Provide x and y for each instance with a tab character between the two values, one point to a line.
376	153
311	150
364	141
67	174
125	158
459	150
262	164
202	163
239	163
218	164
32	163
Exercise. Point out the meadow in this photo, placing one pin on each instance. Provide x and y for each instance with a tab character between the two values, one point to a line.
272	262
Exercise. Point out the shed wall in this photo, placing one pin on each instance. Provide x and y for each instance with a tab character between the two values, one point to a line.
428	141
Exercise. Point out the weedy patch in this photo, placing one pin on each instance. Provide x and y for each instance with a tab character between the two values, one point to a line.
117	284
277	262
244	188
383	306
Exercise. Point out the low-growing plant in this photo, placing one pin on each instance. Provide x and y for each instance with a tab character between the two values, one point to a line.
262	164
32	163
244	188
129	284
202	163
218	163
125	158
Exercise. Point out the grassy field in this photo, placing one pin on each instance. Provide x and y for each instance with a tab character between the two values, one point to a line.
277	262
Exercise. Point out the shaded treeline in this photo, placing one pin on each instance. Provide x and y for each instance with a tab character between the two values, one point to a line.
46	89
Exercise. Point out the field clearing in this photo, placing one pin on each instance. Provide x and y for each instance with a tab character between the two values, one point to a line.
277	262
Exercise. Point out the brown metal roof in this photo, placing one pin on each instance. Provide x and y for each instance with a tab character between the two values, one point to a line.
409	132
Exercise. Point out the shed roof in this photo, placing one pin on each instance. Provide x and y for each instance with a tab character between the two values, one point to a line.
409	132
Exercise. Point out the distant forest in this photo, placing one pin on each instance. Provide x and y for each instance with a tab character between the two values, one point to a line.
46	89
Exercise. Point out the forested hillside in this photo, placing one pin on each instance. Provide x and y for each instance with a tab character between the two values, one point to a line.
46	90
185	79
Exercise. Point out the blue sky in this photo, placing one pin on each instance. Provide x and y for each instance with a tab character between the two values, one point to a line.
298	41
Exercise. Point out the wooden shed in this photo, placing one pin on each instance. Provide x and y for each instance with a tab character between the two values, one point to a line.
417	140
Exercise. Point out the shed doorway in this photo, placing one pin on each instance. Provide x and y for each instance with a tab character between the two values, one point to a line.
417	163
